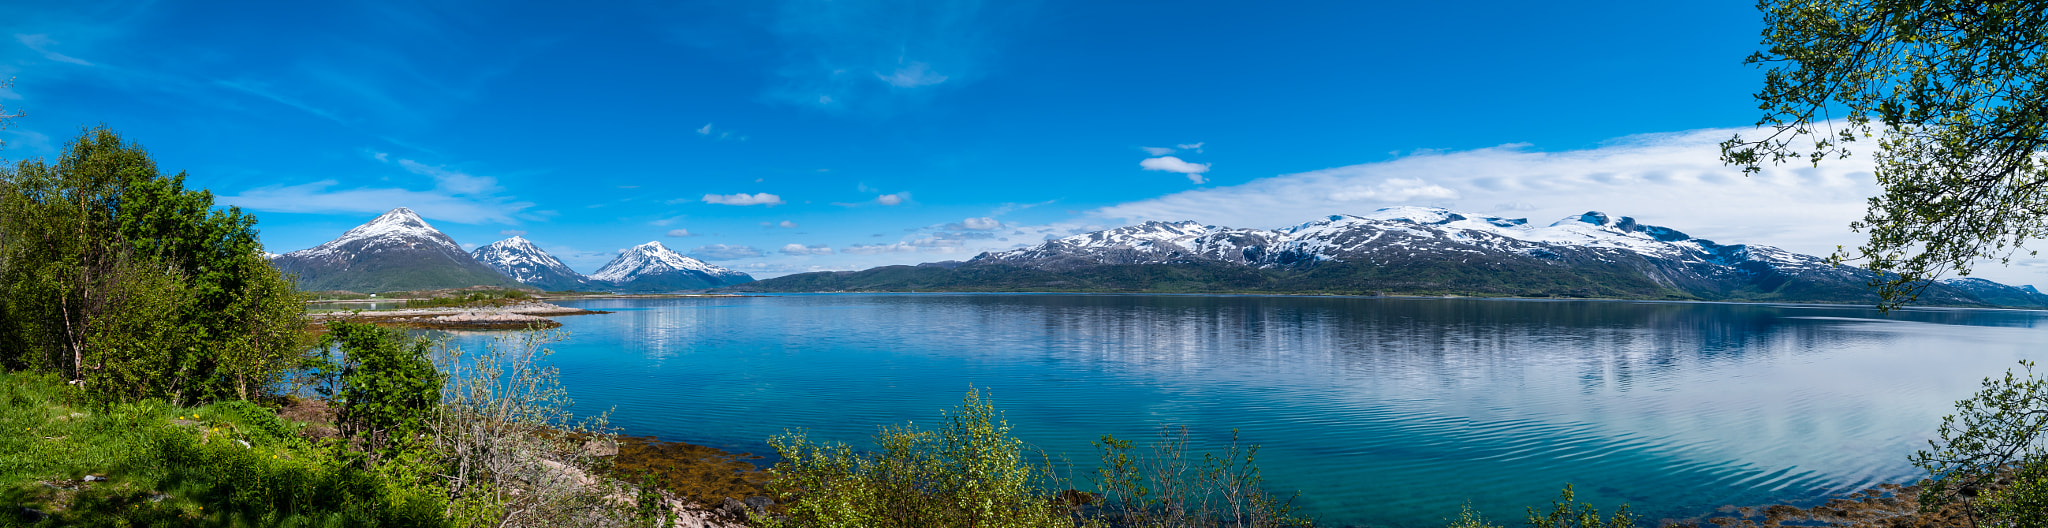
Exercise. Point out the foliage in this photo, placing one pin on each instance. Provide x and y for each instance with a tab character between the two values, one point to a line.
1993	453
386	385
1953	94
114	274
970	473
509	442
1168	489
478	298
1566	513
226	464
1469	518
967	472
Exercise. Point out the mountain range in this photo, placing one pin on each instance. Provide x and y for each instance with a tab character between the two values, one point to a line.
399	251
1407	250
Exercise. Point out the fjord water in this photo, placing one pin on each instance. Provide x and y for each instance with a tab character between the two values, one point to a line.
1381	411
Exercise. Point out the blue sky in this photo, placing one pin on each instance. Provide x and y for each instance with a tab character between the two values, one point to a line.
801	135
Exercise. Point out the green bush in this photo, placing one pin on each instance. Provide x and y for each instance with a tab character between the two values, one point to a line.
386	385
968	472
1564	512
1993	453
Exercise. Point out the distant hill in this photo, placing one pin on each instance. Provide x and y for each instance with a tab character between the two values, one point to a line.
1407	250
397	251
654	268
530	265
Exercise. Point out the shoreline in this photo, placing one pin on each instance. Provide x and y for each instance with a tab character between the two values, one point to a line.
511	317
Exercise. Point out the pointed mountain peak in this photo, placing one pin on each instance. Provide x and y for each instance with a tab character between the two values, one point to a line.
652	245
518	258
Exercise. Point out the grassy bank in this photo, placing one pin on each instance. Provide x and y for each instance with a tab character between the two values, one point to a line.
67	461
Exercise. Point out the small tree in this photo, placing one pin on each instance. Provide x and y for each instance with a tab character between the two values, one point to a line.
387	388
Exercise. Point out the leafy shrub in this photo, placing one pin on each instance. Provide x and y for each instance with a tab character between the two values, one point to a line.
968	472
1166	488
386	385
1992	454
1565	512
515	454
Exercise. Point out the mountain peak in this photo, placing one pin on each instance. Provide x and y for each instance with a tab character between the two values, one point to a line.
518	258
397	250
655	267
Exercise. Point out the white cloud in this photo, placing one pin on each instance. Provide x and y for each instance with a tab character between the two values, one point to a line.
983	223
41	43
1156	151
893	199
724	252
456	197
876	249
1674	180
786	224
706	131
800	250
679	233
912	75
1196	146
1172	164
511	232
743	199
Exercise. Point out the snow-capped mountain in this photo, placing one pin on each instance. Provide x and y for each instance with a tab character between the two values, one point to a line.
651	267
519	259
1413	250
396	251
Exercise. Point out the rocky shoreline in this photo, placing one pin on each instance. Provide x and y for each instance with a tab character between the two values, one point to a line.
510	317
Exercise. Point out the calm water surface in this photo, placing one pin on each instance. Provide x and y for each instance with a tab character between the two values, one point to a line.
1382	412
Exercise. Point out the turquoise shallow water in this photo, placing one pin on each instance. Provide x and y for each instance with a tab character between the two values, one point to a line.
1382	412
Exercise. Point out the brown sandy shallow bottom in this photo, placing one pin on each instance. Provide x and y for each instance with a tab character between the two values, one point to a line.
1885	506
702	475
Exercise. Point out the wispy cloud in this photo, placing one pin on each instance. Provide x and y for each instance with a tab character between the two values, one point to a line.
1172	164
1156	151
724	252
744	199
863	54
798	250
893	199
511	232
980	224
911	76
877	249
1196	146
456	196
42	43
263	91
679	232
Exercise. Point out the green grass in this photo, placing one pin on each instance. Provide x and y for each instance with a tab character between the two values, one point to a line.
472	299
228	464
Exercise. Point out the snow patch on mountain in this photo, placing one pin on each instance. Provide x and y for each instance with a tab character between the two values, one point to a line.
652	258
518	258
398	227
